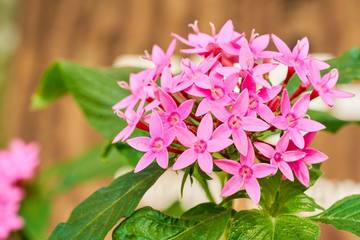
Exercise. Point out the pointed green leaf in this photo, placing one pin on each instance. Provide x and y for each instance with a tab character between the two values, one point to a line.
254	225
344	215
204	222
95	216
94	89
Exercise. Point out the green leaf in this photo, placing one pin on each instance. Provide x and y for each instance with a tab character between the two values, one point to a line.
88	166
301	203
36	211
254	225
276	192
348	65
332	123
96	215
204	222
344	215
95	90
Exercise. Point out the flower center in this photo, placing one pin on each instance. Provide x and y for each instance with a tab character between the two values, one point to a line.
245	172
291	119
253	103
200	146
234	122
217	93
278	157
157	145
174	119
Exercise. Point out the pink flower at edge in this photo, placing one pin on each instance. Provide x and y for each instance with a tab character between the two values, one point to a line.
200	146
245	174
292	119
155	146
313	156
174	116
248	69
280	157
235	122
324	86
259	98
162	59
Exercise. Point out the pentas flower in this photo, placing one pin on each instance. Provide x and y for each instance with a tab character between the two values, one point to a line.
312	156
155	146
221	104
235	122
245	174
204	44
17	163
293	121
174	116
200	146
325	86
259	98
279	156
248	69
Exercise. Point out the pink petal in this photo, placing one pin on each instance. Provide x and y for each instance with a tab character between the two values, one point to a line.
260	43
167	102
205	161
218	144
303	47
185	109
261	69
268	94
140	143
265	113
280	122
341	94
285	103
241	104
331	78
263	170
280	45
171	48
166	79
157	54
313	156
283	143
205	128
308	138
232	186
252	188
240	141
144	161
222	131
187	158
265	149
226	32
203	107
162	158
246	58
228	166
185	137
286	170
309	125
301	106
124	134
297	138
291	156
254	124
302	174
156	126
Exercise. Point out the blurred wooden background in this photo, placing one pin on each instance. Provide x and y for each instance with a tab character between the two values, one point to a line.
96	31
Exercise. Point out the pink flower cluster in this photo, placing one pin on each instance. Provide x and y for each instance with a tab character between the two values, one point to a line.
17	163
226	101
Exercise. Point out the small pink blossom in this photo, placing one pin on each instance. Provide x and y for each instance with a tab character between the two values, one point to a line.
280	157
325	86
292	119
312	156
200	146
162	59
245	174
235	122
174	116
155	146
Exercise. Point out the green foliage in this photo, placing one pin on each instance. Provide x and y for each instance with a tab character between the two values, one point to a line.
204	222
344	215
95	90
254	225
97	214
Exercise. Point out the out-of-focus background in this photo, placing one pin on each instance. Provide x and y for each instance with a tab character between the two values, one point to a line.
33	33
